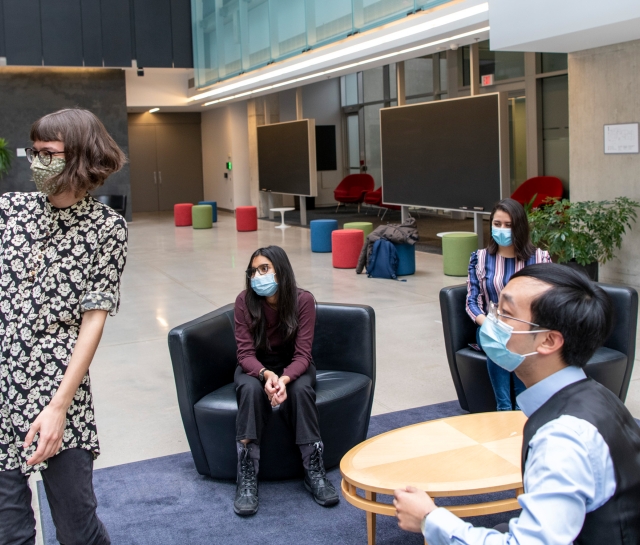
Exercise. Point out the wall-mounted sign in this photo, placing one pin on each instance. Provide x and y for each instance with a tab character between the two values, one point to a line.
486	80
621	138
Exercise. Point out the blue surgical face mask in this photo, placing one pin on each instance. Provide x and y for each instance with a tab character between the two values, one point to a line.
264	285
502	236
494	336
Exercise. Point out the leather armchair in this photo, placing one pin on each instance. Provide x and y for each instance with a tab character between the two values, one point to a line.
203	354
611	365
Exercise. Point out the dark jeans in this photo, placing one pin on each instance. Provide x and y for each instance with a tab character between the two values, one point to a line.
254	409
501	382
68	482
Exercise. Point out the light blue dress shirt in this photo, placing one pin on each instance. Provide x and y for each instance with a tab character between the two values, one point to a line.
569	472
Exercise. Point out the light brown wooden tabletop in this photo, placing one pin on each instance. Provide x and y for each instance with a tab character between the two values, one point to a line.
457	456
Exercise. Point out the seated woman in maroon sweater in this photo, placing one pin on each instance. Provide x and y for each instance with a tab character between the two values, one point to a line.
275	323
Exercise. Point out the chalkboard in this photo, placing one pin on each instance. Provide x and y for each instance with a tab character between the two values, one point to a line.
287	158
445	154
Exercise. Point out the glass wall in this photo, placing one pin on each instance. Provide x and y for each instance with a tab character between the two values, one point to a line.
234	36
555	128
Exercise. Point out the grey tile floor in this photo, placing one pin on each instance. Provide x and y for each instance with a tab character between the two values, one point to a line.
175	274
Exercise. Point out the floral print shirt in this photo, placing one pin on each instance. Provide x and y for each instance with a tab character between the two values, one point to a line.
55	264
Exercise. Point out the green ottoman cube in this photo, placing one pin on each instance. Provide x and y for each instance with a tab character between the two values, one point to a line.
202	216
456	252
364	226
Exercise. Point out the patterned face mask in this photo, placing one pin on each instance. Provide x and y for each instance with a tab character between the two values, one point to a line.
43	174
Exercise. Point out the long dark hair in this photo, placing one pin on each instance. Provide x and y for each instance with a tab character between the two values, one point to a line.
519	229
287	298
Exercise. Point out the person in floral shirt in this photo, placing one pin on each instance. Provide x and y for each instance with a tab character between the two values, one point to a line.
62	254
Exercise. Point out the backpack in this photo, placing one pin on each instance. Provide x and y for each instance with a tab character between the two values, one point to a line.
383	262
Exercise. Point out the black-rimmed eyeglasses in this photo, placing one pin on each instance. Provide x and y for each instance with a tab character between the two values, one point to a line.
43	156
262	269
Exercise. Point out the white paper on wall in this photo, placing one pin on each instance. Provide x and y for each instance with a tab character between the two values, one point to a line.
621	138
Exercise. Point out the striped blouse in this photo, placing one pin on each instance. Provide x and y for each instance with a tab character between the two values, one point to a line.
489	274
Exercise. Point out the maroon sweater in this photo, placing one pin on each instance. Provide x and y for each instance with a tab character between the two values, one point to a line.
304	338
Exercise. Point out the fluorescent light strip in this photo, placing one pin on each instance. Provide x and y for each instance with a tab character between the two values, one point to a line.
348	66
428	25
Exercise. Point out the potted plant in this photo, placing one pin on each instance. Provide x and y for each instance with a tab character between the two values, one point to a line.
5	157
582	233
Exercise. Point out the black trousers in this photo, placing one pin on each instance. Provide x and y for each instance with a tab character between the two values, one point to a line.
299	409
68	482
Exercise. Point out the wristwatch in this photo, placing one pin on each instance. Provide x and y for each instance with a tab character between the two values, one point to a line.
261	374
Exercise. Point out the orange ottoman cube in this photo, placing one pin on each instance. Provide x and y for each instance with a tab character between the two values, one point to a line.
182	214
247	218
346	245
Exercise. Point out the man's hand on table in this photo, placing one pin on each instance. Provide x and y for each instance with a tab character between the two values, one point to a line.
412	505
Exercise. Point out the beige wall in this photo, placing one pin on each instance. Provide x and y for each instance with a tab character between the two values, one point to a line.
604	88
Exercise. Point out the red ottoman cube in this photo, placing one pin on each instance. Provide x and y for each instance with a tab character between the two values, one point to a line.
182	214
346	245
247	218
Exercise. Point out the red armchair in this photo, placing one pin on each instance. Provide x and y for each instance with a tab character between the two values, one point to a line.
540	186
374	198
353	189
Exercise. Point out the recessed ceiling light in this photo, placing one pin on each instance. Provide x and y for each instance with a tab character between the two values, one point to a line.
154	110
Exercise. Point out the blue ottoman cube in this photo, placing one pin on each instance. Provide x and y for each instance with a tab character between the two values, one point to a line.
214	209
321	234
406	259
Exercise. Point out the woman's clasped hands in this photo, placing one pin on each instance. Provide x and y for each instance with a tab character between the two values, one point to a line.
276	388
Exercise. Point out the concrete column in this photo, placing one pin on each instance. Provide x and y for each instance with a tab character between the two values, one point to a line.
475	69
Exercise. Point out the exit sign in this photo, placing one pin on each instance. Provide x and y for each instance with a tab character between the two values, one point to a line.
486	80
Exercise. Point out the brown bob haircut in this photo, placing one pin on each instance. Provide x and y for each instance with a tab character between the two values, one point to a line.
91	155
522	245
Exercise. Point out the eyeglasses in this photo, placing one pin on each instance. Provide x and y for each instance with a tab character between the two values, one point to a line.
43	156
262	269
493	311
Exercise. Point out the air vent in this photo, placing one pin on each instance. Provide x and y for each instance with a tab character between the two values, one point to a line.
191	83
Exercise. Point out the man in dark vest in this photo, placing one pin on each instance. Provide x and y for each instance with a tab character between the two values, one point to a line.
581	447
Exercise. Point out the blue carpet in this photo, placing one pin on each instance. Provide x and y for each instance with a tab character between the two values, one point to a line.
164	501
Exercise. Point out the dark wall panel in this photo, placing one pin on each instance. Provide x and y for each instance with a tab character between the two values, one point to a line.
23	41
91	33
27	95
181	33
153	33
116	32
61	33
2	49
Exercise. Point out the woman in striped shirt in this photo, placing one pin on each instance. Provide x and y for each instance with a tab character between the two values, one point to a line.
509	250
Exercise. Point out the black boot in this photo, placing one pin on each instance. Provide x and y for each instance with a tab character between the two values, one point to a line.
315	477
246	502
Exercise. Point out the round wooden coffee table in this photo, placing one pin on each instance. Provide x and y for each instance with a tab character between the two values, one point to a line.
457	456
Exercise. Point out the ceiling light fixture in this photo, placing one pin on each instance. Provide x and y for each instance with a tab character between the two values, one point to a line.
154	110
347	66
356	48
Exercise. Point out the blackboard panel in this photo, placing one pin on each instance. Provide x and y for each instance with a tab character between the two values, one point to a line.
326	147
61	33
91	33
3	52
23	40
181	34
116	33
284	158
153	33
443	154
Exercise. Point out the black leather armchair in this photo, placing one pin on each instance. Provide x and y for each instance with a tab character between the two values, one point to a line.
611	365
203	354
